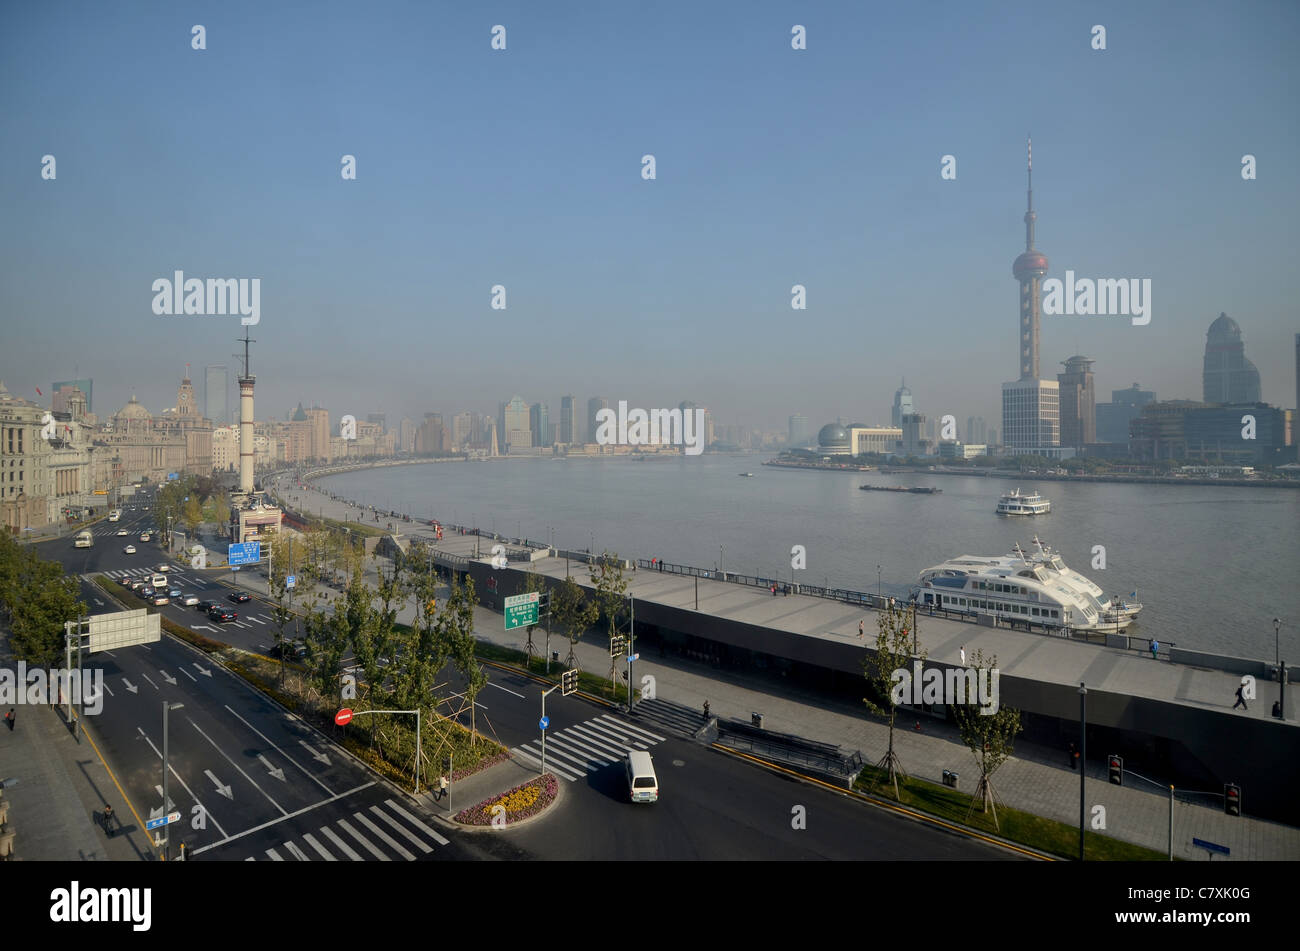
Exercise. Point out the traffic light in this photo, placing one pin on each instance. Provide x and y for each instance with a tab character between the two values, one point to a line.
1232	799
569	682
1116	764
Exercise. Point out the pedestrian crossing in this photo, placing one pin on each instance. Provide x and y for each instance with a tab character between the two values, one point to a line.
127	574
372	834
580	749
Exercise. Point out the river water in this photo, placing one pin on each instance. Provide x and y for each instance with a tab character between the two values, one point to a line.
1213	566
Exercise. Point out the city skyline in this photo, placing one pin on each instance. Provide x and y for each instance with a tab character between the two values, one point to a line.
400	284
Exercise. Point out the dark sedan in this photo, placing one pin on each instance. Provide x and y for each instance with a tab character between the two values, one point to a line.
239	597
220	614
206	606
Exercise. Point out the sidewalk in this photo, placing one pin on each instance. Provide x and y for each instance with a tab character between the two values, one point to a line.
1036	779
62	785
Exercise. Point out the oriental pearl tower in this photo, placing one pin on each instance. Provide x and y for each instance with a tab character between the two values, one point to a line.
1029	269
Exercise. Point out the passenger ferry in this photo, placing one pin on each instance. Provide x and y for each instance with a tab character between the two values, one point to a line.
1116	609
1013	503
1018	587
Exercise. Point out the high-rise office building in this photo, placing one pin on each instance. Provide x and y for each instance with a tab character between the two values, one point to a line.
594	406
798	436
86	386
1229	377
903	405
976	430
380	420
406	435
1078	403
1113	418
462	428
318	446
1031	407
429	437
515	432
216	394
564	434
1297	373
539	424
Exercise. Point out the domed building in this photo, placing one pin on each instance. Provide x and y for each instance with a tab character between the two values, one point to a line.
833	440
1228	376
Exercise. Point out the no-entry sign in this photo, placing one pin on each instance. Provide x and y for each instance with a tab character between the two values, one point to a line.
342	717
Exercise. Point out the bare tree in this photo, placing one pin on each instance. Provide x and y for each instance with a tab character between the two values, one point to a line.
990	734
894	651
573	613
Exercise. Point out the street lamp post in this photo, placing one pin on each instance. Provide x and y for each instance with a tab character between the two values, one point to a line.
166	836
877	583
1281	669
1083	757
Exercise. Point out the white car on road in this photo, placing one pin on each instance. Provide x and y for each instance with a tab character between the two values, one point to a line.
129	550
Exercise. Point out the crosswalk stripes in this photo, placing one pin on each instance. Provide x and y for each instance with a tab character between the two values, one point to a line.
671	716
593	744
388	833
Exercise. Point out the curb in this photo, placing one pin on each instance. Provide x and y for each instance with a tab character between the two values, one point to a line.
510	826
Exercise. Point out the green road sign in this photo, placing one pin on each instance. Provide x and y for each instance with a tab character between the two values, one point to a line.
521	610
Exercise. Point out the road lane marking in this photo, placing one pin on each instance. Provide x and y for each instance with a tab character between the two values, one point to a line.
237	769
296	852
206	811
523	753
325	854
189	675
398	827
146	677
347	849
343	823
606	742
630	729
280	751
385	837
507	690
416	822
609	736
274	854
268	824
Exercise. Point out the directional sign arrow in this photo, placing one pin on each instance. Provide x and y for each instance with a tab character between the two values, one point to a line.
155	812
129	687
168	677
277	773
203	671
314	752
224	790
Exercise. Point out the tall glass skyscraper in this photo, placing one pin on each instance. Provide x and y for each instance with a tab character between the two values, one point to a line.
1229	377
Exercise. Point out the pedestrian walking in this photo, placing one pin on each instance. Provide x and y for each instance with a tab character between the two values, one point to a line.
963	655
862	628
1074	756
1241	700
9	719
706	709
1155	650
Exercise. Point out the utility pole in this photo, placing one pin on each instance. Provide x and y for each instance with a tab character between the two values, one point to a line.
166	834
1083	758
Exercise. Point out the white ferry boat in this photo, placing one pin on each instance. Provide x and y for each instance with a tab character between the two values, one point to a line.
1017	587
1116	608
1013	503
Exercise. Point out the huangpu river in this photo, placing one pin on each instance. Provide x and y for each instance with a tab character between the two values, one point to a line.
1212	565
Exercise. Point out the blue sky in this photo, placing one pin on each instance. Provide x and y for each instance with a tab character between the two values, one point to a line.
522	167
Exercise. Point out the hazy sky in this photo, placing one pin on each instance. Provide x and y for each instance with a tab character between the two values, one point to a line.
522	167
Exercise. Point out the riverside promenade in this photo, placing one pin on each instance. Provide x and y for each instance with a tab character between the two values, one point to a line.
1037	779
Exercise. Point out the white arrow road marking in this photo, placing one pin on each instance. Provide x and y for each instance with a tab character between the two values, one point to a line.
151	683
206	811
314	752
168	677
277	773
203	670
170	805
99	602
224	790
129	686
278	750
237	769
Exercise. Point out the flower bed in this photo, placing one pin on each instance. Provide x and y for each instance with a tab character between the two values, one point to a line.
522	802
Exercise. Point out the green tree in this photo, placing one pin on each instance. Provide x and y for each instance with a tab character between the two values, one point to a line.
280	566
894	651
611	591
40	601
192	516
457	631
989	735
573	613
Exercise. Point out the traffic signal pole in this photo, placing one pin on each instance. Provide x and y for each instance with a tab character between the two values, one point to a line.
544	693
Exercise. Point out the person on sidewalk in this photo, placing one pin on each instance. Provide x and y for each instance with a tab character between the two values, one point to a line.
963	655
862	628
1074	756
9	719
1241	700
1155	650
706	709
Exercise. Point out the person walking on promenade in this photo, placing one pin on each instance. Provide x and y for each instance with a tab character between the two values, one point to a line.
1241	700
9	719
862	628
706	709
963	655
1155	650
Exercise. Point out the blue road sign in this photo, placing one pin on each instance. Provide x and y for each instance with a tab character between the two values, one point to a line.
234	567
162	821
244	553
289	581
1211	846
545	722
633	657
172	476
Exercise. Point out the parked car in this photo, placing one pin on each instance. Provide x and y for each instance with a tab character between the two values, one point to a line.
190	599
239	597
129	550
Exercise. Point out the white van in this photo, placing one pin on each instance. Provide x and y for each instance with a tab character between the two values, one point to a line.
114	515
159	583
642	784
